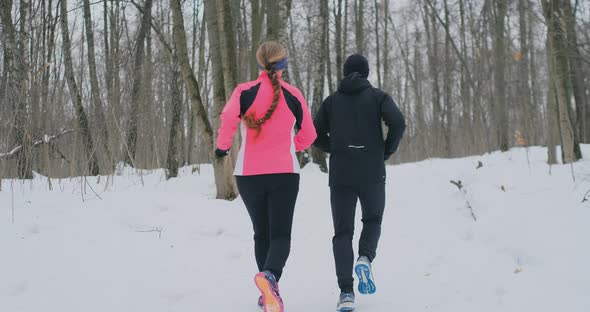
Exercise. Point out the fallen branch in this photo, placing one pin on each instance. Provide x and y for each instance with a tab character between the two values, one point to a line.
459	185
586	197
159	230
46	140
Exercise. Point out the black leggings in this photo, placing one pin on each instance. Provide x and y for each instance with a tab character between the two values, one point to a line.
270	200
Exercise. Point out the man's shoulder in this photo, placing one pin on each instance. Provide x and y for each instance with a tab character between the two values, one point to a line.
378	92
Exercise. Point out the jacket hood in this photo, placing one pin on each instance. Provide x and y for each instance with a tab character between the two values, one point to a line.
353	83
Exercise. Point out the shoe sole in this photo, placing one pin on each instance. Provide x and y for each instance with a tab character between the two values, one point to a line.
366	283
271	302
345	309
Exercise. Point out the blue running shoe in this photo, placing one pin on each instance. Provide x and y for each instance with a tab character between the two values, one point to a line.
365	274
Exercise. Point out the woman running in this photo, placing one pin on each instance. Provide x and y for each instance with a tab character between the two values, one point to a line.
275	122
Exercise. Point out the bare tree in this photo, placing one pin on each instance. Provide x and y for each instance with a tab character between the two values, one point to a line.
15	86
577	74
431	30
558	75
276	24
525	94
225	188
359	14
75	94
377	43
464	91
318	156
172	162
500	107
94	88
338	39
138	82
257	22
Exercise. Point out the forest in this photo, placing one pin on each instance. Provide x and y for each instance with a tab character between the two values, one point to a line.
89	86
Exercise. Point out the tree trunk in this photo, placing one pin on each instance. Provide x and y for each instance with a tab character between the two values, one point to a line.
277	18
229	65
75	94
318	156
419	97
448	102
465	90
525	94
559	75
45	100
294	59
219	93
94	88
386	69
577	75
151	160
536	102
115	56
138	84
552	123
16	77
193	128
500	107
359	26
328	58
257	22
108	75
176	99
432	47
377	44
338	40
228	44
223	175
276	24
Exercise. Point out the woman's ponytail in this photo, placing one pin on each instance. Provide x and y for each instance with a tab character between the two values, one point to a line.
269	54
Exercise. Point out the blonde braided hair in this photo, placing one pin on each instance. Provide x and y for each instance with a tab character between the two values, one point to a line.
268	55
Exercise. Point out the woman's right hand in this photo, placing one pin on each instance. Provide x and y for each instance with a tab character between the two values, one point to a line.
221	153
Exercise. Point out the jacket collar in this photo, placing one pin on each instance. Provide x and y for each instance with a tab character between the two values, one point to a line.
353	83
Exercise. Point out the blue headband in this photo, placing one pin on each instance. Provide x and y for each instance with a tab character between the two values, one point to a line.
278	66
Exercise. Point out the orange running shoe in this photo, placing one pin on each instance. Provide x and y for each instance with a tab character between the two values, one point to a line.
269	288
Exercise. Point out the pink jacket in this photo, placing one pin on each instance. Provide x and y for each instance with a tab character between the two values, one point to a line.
289	129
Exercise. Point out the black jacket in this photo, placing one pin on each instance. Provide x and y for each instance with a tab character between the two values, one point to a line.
349	127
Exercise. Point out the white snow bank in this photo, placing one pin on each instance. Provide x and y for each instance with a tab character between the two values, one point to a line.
153	245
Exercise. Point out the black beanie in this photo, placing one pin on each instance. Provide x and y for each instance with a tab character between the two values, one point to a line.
356	63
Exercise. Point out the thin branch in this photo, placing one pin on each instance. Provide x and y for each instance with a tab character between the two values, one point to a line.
46	140
459	56
158	230
157	30
461	188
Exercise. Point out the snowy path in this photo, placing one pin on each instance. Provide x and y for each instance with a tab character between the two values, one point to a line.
168	246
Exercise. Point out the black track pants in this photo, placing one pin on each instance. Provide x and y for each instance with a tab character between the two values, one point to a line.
270	200
344	200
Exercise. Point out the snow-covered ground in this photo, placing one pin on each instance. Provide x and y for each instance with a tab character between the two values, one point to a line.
159	245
